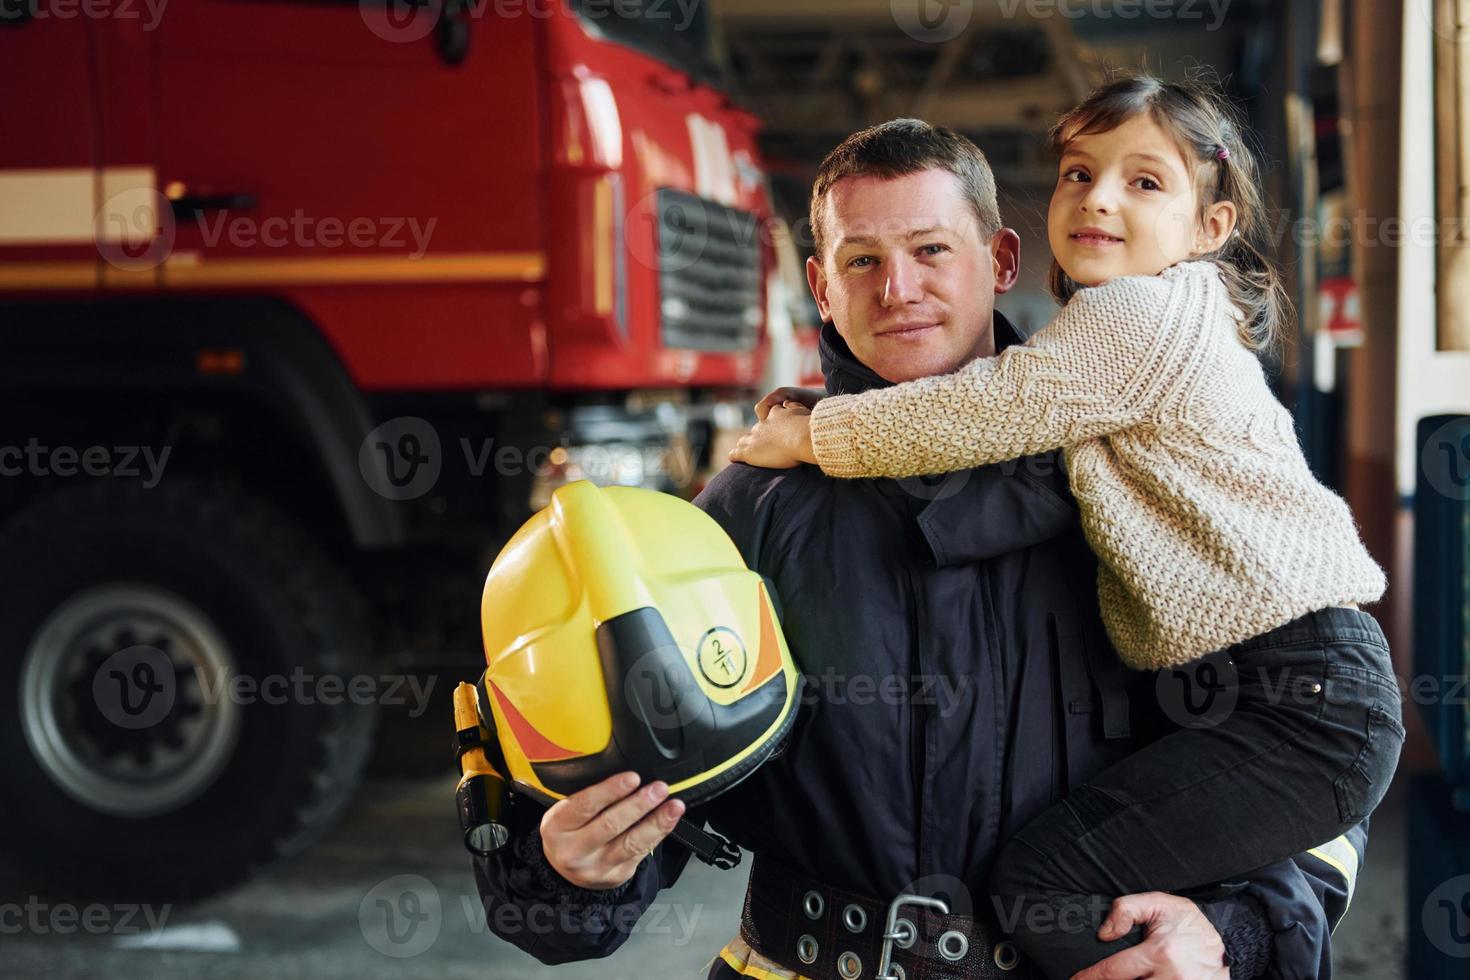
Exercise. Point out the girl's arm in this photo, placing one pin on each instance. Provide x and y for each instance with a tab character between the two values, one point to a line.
1108	361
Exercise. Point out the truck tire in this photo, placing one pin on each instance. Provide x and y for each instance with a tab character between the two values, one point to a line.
177	673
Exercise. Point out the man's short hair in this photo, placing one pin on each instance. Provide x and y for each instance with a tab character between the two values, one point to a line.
908	146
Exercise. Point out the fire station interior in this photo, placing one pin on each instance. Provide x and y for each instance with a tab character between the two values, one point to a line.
311	439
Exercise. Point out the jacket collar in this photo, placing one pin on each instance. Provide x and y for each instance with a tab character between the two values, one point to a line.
969	515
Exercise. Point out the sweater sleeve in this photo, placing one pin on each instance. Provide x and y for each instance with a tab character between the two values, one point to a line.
1107	361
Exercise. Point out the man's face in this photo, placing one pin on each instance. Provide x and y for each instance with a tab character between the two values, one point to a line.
907	279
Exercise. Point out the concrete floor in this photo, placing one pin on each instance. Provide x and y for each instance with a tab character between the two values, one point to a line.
327	915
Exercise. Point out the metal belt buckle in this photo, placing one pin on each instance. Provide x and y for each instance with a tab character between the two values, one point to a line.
905	937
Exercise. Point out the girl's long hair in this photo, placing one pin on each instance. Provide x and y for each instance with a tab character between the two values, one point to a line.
1203	122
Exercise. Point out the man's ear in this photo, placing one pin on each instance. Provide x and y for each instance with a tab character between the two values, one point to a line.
816	278
1219	222
1005	255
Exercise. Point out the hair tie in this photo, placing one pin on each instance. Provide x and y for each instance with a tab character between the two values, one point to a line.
1222	152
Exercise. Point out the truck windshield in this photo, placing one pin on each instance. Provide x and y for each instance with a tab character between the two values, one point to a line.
674	31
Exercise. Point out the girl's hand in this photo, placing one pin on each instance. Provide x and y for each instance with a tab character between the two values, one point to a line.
781	440
802	396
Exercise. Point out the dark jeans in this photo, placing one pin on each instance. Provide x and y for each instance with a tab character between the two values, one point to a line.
1299	746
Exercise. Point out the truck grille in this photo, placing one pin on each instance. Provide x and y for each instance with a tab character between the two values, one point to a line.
709	274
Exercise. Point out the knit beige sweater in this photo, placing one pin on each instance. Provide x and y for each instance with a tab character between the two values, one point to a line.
1207	523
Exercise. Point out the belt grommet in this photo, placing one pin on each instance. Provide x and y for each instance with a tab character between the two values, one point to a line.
812	904
953	945
896	972
1006	956
905	934
854	918
806	949
849	967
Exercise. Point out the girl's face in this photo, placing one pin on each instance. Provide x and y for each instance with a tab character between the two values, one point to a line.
1125	205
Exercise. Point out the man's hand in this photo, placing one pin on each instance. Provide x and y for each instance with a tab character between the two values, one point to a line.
1181	943
596	837
782	440
802	396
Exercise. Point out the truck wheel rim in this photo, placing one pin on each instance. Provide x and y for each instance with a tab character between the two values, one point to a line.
125	699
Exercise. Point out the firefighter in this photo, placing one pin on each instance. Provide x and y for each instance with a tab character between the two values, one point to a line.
957	677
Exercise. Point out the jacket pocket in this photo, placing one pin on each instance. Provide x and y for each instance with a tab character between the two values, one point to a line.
1362	786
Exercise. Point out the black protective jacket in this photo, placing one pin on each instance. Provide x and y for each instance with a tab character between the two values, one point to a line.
958	681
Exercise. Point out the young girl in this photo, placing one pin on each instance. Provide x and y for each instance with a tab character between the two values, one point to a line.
1212	536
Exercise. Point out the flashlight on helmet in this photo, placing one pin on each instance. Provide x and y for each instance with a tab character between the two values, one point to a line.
483	796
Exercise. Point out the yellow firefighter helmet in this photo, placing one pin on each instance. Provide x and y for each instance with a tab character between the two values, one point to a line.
623	631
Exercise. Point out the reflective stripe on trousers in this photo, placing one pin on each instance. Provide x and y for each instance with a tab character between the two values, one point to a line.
737	959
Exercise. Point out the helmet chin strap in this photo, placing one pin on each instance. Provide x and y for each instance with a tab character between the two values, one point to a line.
711	848
707	845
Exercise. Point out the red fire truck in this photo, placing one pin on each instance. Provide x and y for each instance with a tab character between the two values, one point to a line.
304	305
